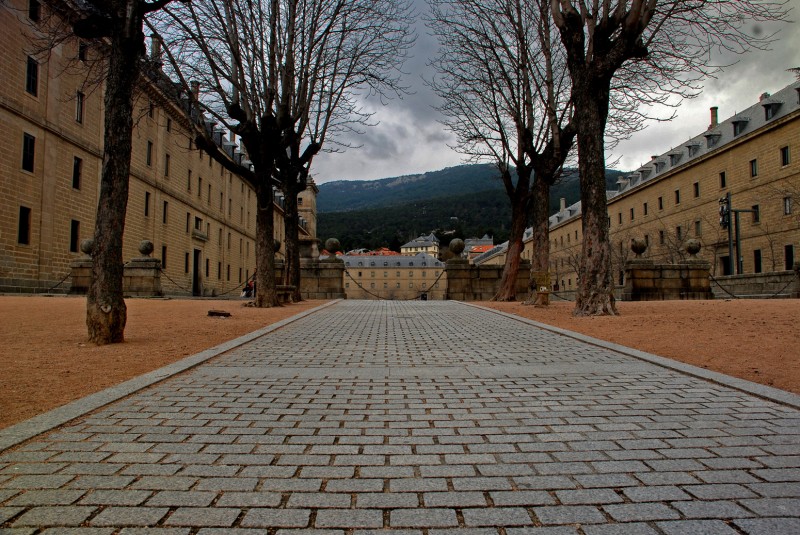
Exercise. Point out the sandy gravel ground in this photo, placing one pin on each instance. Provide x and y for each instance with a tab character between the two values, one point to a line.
46	362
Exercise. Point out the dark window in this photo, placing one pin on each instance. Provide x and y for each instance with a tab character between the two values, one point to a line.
34	10
757	261
644	208
739	127
169	124
151	110
189	181
164	215
207	267
149	155
788	256
619	218
756	213
32	77
661	203
632	214
77	171
661	238
698	228
164	257
723	183
28	151
199	186
83	50
80	100
787	206
726	265
679	233
146	203
228	273
785	156
166	165
24	227
696	187
677	196
186	263
74	235
188	221
219	270
753	168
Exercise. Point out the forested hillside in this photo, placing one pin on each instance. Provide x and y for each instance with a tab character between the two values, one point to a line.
463	202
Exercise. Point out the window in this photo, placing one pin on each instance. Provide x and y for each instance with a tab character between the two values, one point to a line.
169	124
784	156
32	77
661	237
619	218
299	200
757	261
647	239
208	267
726	265
199	186
739	127
28	151
149	155
166	165
787	206
753	168
198	223
151	110
34	10
228	273
188	221
74	235
723	183
696	189
698	228
77	171
186	263
209	194
661	203
679	232
756	213
677	196
788	256
80	99
164	257
632	214
219	270
24	226
644	210
189	181
164	213
146	203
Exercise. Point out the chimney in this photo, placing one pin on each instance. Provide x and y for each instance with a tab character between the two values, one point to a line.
195	85
714	118
562	204
155	48
763	96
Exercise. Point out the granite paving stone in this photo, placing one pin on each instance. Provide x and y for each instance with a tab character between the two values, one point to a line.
434	418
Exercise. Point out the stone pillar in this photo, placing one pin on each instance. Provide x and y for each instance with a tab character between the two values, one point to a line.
81	270
141	277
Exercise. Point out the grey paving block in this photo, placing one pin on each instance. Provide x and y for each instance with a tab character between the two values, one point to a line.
276	518
630	512
361	518
569	514
497	516
130	516
711	509
629	528
203	516
696	527
423	518
54	516
116	497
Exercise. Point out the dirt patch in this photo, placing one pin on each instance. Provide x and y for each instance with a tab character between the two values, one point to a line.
754	339
46	361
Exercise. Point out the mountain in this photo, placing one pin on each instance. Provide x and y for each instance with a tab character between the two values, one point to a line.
457	202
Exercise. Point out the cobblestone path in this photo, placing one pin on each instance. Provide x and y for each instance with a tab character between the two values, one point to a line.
431	418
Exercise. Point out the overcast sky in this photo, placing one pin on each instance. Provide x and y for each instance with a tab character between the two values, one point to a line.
409	139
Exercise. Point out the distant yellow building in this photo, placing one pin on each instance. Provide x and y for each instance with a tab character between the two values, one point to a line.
424	244
394	277
200	217
753	156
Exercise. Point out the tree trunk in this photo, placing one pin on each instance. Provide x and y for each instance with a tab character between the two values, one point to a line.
292	241
507	290
266	295
540	240
106	313
595	295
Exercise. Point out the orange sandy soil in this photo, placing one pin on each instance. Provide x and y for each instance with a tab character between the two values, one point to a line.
45	360
757	340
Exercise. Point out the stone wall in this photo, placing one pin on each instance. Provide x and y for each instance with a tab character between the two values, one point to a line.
646	281
467	282
759	285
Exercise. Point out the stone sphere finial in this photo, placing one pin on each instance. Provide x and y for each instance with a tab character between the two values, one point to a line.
693	247
87	246
457	246
146	247
638	246
332	245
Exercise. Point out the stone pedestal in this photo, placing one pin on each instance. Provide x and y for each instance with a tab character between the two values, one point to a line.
141	277
322	279
646	281
466	282
81	276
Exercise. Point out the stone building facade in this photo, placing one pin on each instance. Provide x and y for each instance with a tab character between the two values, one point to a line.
754	156
394	277
199	216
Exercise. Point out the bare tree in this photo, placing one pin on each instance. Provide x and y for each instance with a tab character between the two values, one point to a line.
286	76
115	27
663	46
506	98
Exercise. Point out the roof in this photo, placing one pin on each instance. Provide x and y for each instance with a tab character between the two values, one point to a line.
418	260
423	241
481	248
